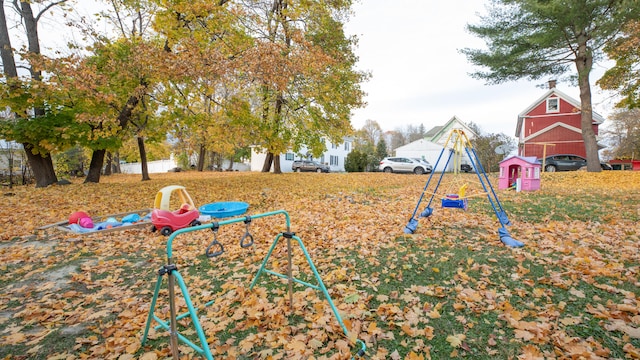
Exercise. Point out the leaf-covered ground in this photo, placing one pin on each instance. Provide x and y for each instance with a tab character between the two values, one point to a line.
449	290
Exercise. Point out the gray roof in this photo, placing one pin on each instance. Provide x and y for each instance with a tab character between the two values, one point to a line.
431	133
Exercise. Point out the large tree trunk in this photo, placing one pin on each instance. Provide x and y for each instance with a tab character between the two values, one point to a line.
276	164
266	167
31	26
41	164
116	163
201	155
42	167
143	159
6	55
108	170
95	167
6	52
584	63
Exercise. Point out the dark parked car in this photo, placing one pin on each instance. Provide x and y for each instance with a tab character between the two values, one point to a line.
466	168
309	165
568	162
405	164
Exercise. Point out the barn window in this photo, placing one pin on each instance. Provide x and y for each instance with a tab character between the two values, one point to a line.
553	105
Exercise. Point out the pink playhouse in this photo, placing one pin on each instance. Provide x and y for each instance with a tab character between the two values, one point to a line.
520	172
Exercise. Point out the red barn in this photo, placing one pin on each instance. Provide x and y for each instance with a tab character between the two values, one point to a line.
551	125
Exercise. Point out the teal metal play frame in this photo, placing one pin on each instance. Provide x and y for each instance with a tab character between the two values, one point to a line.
174	276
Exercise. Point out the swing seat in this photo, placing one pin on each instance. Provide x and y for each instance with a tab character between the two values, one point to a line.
457	201
454	201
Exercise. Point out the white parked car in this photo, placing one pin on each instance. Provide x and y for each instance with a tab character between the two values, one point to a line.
405	165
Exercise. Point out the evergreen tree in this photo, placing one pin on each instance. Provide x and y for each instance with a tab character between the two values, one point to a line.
531	39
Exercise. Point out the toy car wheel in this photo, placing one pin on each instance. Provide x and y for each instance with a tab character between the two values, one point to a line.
196	223
166	231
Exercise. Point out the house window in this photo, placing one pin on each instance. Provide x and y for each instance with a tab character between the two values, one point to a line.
333	160
322	159
553	105
288	156
334	146
347	146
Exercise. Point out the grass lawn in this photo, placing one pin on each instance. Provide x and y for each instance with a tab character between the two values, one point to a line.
451	290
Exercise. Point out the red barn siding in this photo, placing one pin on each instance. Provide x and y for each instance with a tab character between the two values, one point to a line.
558	134
533	125
566	141
563	148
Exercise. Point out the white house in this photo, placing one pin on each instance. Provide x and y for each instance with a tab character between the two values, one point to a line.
440	134
430	147
423	149
12	157
334	156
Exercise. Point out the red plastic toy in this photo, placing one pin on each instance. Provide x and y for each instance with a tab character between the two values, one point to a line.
76	216
170	221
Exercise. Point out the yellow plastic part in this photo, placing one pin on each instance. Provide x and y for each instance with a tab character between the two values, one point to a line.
463	191
163	197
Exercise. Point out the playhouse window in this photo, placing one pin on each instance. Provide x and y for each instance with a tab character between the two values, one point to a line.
528	173
536	173
553	105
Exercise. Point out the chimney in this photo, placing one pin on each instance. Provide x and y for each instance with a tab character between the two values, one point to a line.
552	84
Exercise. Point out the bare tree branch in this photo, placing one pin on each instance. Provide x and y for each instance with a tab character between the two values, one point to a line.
56	3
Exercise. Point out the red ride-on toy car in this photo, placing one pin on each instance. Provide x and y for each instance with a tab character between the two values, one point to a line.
170	221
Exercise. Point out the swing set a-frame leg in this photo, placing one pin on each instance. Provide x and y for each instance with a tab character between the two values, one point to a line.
175	278
289	277
171	271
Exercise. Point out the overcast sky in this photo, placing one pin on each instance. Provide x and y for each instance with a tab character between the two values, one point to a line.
411	47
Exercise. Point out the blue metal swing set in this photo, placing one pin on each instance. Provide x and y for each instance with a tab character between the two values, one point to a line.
457	144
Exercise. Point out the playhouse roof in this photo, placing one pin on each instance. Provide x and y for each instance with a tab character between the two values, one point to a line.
528	159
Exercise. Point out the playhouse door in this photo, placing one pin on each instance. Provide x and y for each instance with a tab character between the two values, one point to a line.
514	174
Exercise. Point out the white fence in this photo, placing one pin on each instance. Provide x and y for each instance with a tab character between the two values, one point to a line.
161	166
158	166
